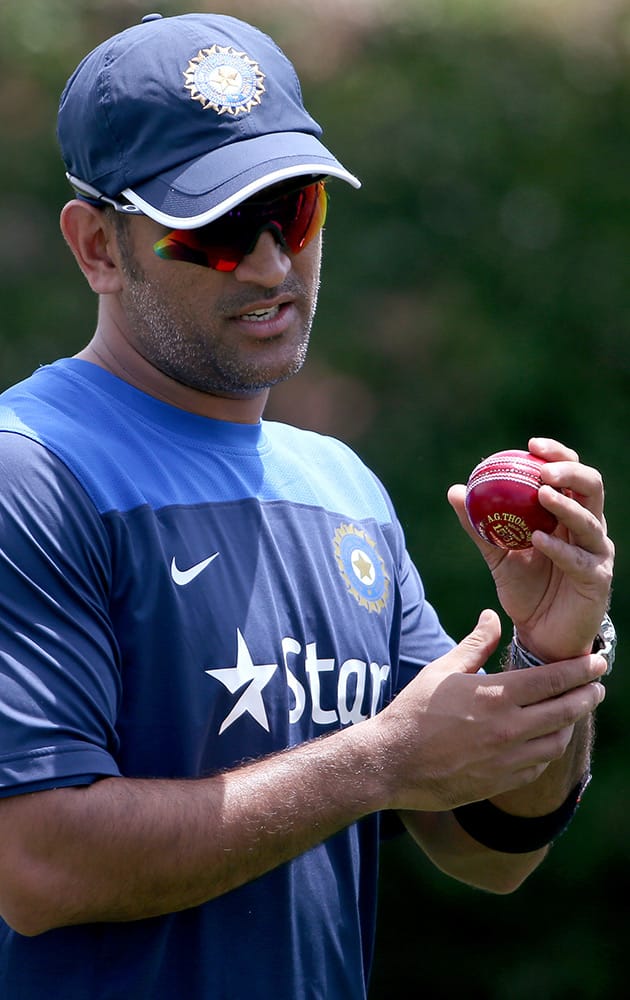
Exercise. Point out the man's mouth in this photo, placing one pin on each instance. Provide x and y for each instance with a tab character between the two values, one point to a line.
260	315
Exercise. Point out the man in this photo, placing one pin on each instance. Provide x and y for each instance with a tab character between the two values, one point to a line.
218	665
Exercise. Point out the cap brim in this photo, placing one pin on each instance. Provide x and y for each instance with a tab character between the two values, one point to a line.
200	191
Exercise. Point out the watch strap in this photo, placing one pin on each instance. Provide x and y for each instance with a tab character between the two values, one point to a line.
605	644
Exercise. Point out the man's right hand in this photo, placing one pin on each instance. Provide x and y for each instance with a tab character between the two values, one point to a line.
455	735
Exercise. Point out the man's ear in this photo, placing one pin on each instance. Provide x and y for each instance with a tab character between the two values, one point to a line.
91	238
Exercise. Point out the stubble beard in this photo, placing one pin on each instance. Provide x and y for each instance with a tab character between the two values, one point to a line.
177	344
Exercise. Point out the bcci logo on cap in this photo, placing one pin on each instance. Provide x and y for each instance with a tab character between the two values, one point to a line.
227	81
362	567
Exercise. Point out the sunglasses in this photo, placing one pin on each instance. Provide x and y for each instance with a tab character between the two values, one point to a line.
294	218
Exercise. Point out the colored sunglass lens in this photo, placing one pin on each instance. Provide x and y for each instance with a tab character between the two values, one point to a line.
294	219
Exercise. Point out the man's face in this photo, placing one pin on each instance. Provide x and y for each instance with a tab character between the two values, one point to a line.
228	334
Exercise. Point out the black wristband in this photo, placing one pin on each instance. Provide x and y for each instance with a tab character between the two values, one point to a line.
500	831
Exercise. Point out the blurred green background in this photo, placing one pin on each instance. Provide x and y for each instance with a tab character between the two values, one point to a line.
476	291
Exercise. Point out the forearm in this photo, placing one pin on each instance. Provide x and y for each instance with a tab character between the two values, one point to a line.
458	854
551	789
125	849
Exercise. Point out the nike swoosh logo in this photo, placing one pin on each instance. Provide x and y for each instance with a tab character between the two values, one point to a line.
184	576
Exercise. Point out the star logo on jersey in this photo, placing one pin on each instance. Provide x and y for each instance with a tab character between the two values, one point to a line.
362	567
252	678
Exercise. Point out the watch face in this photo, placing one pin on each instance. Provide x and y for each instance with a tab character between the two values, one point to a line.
606	642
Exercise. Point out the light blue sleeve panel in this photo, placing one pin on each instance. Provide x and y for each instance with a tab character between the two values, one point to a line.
422	636
339	480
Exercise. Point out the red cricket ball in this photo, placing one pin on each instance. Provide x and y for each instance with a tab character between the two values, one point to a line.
502	499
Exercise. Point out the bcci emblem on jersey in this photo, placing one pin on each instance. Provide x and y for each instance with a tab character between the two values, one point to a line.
362	567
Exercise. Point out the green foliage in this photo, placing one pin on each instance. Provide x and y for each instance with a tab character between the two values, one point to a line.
480	284
481	288
476	291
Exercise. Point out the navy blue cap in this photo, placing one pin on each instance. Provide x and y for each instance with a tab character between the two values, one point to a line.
185	117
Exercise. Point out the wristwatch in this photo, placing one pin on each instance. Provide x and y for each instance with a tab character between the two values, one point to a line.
605	644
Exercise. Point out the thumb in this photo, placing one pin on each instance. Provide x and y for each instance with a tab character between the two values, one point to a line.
456	496
473	651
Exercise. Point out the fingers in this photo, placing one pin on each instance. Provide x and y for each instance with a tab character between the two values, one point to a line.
551	451
583	550
473	651
456	496
550	681
581	514
530	760
588	564
454	738
565	473
556	716
573	492
571	479
536	753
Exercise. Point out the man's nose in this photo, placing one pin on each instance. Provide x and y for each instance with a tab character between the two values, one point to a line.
267	264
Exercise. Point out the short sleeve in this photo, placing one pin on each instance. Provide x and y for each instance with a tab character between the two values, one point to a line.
423	639
59	665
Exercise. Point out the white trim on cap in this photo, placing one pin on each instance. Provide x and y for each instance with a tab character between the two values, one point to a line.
195	221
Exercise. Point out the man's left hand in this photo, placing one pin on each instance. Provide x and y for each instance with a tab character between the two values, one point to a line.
556	592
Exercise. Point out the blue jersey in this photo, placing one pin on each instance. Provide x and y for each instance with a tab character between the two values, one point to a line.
178	595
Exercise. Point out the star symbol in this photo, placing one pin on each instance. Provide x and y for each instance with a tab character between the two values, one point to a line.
255	676
226	80
363	566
